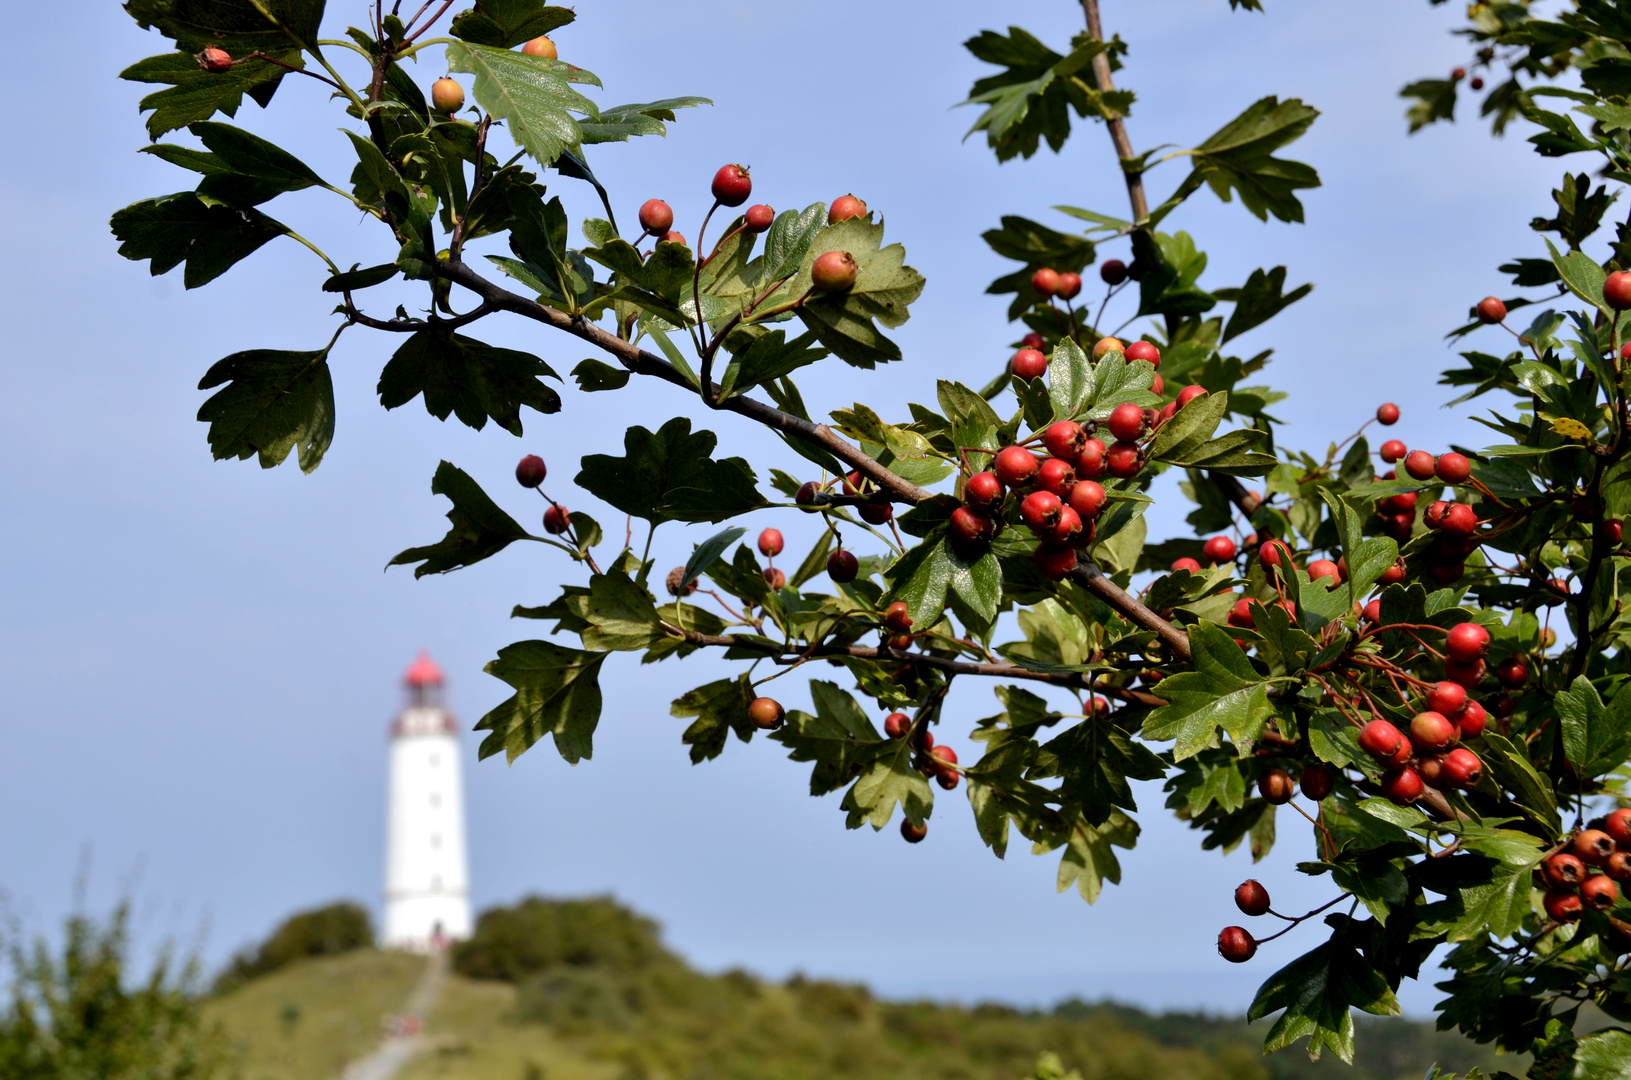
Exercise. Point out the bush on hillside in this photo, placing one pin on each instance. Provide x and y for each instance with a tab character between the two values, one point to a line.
324	931
536	934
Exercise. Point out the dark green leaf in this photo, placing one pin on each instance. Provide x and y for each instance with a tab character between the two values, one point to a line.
847	322
504	24
621	615
533	96
195	94
468	378
352	280
838	739
1317	992
720	708
557	692
1260	299
670	475
619	123
206	234
479	530
594	375
1223	691
1596	737
1239	156
708	552
238	26
276	401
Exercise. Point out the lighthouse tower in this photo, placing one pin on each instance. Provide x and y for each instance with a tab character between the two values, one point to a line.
427	881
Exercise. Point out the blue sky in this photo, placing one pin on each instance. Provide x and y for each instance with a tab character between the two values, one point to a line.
199	659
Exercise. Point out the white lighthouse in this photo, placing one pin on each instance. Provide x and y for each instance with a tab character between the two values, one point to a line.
427	880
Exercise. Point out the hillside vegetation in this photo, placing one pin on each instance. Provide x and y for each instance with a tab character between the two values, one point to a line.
585	990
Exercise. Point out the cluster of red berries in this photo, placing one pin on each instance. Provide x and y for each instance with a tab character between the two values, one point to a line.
771	545
1428	756
1235	943
1584	874
529	473
1585	509
1050	283
1030	363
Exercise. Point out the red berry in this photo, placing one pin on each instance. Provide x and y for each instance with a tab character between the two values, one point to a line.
1466	642
982	491
1106	345
1563	907
1045	281
541	47
1065	439
1323	568
1562	871
1462	768
1592	846
1275	553
1387	414
805	497
1251	898
1028	364
1380	739
1465	672
842	566
969	526
556	520
845	207
1055	563
446	95
1015	465
1453	468
1458	73
1446	573
1236	945
775	578
1126	422
1056	475
732	185
1617	290
1067	530
1186	564
1241	615
1373	611
1317	781
1087	498
1091	462
1188	394
913	834
672	237
1399	526
1612	528
1159	389
1618	866
1392	575
1447	697
530	471
1069	285
771	543
896	619
1402	503
1459	520
218	61
1393	450
1142	350
1618	825
1472	719
1040	510
1599	892
1491	310
1403	785
1431	731
1112	271
1219	549
835	271
1477	82
758	218
1123	460
766	712
1033	340
875	513
1420	464
1276	787
656	217
896	725
945	754
1434	517
1512	672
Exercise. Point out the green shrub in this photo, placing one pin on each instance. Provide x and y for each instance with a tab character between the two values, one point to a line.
511	943
324	931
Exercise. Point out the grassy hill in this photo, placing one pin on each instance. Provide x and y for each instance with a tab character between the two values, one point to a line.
584	991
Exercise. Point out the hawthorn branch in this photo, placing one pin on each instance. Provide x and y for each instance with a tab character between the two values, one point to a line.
1094	580
1118	129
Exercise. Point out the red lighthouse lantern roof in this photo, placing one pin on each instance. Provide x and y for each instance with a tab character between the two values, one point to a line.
423	672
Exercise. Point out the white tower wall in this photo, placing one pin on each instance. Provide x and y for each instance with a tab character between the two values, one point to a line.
427	883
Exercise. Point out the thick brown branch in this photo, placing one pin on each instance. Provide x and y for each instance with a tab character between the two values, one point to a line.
1118	129
1247	501
1093	579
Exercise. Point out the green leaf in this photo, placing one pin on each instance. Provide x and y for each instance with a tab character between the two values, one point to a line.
206	234
195	94
1190	428
557	692
1223	691
789	240
1582	275
1035	245
1239	157
275	401
1089	860
238	26
533	96
886	782
619	123
1604	1055
999	792
924	575
708	552
595	375
250	161
1095	760
504	24
1260	299
1596	737
766	358
468	378
838	739
1435	101
1494	900
720	708
1029	101
1509	766
1070	380
352	280
670	475
622	616
847	322
1317	992
480	529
